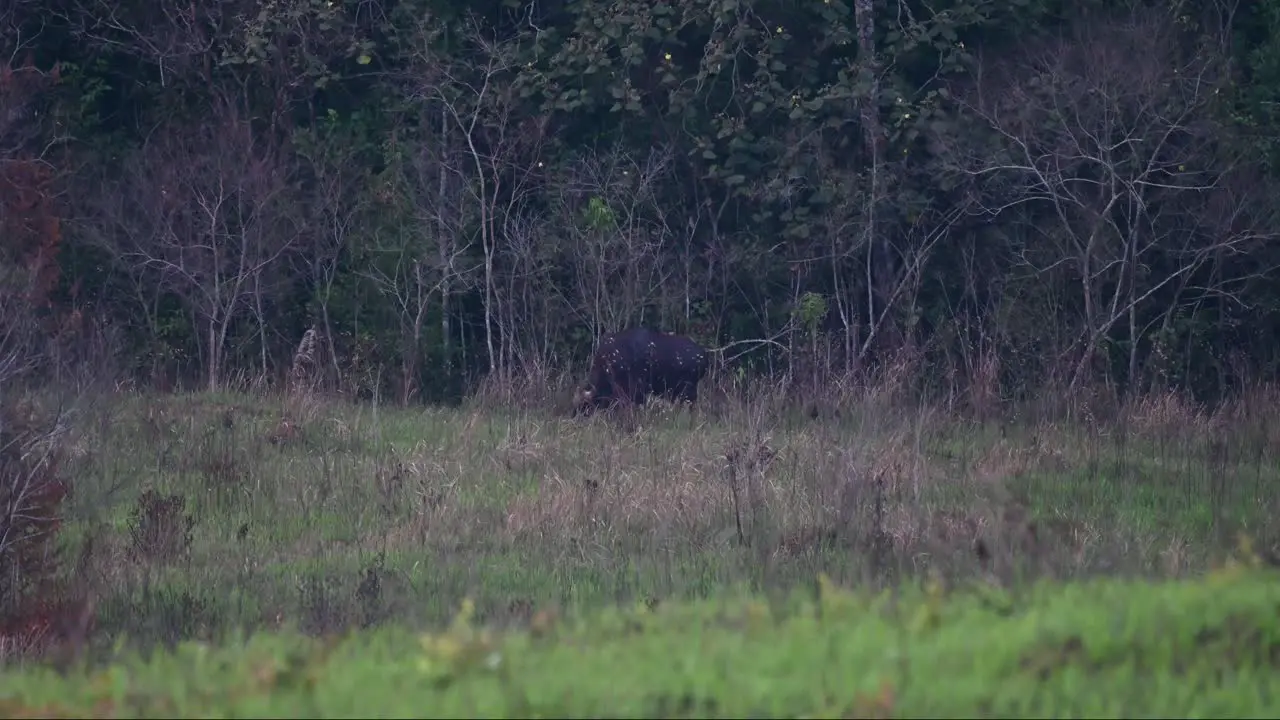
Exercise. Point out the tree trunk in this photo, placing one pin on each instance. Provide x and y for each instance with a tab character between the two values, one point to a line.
879	263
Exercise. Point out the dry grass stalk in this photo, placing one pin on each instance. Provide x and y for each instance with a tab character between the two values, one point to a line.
304	374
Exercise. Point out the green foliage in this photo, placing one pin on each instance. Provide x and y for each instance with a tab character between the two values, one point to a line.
1258	105
88	88
810	311
597	216
768	187
310	37
1103	648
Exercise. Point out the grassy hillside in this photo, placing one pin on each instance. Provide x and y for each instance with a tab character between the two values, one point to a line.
1205	648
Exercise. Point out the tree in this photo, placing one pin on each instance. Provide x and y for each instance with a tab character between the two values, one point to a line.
30	227
332	155
1104	139
497	159
208	212
620	247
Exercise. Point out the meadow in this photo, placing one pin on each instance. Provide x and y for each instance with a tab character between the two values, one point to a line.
259	526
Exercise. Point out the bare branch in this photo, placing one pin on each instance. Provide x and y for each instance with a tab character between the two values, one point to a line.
1109	130
203	210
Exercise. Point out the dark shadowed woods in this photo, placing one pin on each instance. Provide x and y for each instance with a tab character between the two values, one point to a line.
1016	264
1003	196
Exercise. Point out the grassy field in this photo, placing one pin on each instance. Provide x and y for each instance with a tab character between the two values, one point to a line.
334	515
212	517
1204	648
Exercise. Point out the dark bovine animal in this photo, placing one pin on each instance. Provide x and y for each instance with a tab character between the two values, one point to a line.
631	365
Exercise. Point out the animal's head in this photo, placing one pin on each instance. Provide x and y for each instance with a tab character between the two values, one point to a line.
584	401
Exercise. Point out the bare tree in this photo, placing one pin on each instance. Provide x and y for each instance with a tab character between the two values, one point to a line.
281	51
30	491
22	85
212	200
406	275
19	350
119	209
30	233
533	251
878	262
619	237
876	277
427	255
500	158
178	38
338	201
1105	138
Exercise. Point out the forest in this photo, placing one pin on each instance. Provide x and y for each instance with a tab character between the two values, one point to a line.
293	294
999	195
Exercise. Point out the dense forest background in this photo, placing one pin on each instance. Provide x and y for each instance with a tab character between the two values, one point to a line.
995	194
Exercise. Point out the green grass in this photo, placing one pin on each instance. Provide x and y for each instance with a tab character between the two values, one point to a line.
1107	648
367	515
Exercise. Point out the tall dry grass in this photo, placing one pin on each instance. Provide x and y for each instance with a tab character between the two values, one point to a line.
509	500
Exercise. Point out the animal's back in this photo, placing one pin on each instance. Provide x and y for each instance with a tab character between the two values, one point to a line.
632	363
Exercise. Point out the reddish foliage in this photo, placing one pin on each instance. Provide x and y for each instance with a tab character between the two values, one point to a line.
29	223
31	494
43	626
27	632
31	543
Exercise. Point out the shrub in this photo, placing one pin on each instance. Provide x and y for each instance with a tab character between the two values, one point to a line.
31	497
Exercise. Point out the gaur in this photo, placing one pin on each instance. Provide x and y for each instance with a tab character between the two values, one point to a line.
631	365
